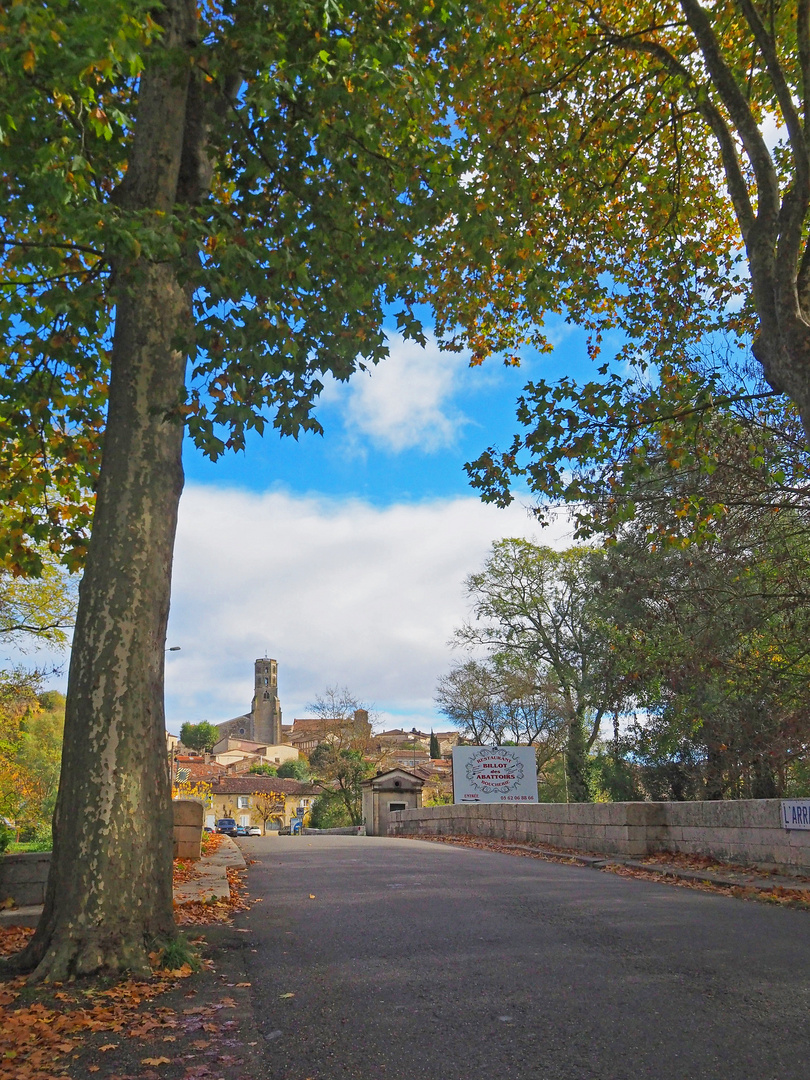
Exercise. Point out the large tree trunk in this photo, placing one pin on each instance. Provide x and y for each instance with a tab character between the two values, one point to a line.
109	894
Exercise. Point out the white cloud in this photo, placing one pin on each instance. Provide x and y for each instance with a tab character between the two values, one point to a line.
339	592
405	401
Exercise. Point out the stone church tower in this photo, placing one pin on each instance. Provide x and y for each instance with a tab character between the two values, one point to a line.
266	708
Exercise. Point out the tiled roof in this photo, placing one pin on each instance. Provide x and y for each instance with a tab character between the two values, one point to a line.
313	723
249	785
198	770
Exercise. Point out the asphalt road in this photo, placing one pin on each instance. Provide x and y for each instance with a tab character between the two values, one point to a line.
417	961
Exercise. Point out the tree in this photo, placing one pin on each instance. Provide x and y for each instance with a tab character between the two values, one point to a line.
294	769
337	709
207	209
329	812
534	610
644	170
713	636
269	807
345	770
263	770
31	724
40	609
201	737
502	701
435	749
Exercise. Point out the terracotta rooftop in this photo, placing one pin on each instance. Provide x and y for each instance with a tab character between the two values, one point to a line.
249	785
199	770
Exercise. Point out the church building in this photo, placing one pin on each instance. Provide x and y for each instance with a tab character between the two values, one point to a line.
263	723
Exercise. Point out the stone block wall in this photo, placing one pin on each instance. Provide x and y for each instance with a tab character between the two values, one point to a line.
188	823
23	877
745	830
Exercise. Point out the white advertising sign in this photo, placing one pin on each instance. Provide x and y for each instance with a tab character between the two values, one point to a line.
796	813
494	774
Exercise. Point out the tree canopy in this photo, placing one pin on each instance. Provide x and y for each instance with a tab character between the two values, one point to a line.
642	170
201	736
294	222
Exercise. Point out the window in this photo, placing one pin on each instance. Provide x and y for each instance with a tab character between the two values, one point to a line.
243	802
397	806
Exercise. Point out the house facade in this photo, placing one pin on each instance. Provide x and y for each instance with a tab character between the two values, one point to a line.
266	801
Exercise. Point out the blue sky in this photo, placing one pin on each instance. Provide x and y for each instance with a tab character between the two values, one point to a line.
373	449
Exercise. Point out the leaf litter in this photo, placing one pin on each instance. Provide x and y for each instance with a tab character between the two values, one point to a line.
58	1031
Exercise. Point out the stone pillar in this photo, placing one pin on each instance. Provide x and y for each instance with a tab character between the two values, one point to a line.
188	823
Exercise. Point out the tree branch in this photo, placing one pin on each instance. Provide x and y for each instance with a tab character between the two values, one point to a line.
741	116
737	186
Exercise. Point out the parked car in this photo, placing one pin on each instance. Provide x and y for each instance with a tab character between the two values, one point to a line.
207	828
254	830
241	830
227	825
284	830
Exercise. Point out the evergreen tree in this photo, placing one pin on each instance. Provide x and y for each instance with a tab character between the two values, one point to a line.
435	749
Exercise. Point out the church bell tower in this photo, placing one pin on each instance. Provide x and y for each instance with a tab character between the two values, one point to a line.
266	707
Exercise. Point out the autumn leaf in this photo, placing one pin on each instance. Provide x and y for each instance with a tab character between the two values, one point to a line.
156	1061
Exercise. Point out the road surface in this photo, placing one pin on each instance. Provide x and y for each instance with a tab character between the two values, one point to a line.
382	959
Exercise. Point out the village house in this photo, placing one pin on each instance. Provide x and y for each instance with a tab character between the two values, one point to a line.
239	754
266	801
397	738
306	732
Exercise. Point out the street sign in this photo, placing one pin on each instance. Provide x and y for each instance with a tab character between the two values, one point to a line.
494	774
295	825
796	813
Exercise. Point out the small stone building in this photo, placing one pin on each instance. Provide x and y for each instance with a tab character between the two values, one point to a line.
396	789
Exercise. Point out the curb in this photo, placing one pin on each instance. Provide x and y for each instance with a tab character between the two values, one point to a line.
602	862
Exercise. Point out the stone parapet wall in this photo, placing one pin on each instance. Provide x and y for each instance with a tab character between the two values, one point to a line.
23	877
745	830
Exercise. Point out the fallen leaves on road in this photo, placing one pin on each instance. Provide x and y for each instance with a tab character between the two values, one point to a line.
37	1034
200	913
778	894
47	1033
